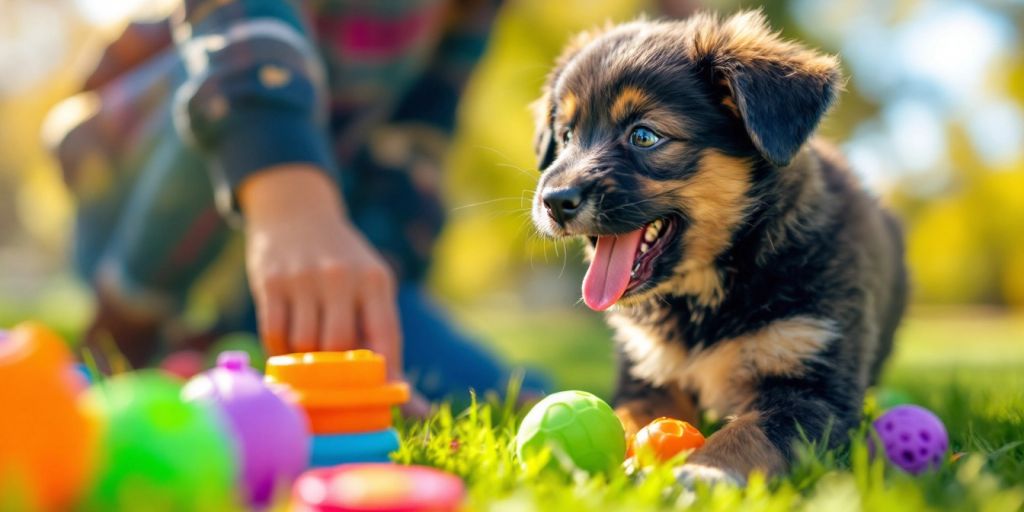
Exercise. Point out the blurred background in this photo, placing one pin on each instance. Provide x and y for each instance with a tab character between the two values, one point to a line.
932	119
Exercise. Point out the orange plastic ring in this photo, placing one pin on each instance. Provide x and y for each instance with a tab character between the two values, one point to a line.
346	421
349	369
390	394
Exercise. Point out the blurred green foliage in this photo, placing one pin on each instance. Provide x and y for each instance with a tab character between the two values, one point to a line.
964	214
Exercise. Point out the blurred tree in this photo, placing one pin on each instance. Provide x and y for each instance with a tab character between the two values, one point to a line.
965	216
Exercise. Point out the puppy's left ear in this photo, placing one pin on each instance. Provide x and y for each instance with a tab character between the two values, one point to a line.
778	88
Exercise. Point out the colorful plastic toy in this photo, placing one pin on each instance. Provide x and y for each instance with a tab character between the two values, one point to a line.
184	364
331	450
377	488
580	429
270	434
83	376
243	341
47	442
663	439
343	394
340	391
159	451
914	438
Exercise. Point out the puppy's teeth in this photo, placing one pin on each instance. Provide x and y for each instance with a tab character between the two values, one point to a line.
657	225
644	248
651	234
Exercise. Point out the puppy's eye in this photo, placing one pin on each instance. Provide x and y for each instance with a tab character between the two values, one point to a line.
643	137
567	137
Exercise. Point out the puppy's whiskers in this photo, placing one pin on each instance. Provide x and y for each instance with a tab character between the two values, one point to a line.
638	202
485	203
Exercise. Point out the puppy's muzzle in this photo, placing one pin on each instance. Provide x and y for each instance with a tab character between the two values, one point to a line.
563	204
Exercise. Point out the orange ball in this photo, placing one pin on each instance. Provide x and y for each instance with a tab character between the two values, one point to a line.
47	443
664	438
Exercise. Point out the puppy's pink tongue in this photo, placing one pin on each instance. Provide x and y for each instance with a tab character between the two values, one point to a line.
609	272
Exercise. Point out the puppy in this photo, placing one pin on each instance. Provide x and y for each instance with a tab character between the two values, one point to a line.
742	266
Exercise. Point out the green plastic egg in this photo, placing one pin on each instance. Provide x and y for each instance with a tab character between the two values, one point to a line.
580	429
158	452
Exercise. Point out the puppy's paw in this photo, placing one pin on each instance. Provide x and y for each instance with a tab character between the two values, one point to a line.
690	474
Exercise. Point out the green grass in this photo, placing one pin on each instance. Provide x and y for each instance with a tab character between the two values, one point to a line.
967	367
478	445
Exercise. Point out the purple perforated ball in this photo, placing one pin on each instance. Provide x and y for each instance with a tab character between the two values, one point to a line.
271	435
914	438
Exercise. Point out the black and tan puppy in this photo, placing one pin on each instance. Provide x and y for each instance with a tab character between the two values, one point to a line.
742	266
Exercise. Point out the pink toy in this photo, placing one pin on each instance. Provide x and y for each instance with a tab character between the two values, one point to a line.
271	435
914	438
183	364
377	488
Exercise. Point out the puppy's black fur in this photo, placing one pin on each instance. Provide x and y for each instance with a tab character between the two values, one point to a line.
774	285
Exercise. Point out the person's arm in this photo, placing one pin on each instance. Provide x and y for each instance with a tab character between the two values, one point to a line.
254	106
256	93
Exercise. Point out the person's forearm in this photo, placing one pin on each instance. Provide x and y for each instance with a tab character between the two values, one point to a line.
288	190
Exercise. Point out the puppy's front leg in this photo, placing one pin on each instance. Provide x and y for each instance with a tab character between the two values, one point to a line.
729	455
637	402
763	438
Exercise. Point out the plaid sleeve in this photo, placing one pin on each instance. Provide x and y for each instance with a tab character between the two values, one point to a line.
435	98
256	92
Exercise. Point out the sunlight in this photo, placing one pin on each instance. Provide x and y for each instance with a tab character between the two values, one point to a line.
103	13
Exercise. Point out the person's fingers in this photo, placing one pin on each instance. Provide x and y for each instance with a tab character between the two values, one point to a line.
339	309
272	313
339	324
304	320
379	317
417	407
273	320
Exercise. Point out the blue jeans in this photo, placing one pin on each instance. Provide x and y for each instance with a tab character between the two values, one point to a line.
442	362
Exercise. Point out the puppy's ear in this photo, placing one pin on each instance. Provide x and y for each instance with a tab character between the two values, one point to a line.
544	144
544	136
779	89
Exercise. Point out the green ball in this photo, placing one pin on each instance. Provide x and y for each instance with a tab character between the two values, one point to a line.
158	452
580	429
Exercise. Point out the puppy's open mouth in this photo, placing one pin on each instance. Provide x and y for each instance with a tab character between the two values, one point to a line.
622	263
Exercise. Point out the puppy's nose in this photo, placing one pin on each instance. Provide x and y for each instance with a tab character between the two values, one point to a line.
563	203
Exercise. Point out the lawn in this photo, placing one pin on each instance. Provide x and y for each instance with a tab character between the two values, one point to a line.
967	366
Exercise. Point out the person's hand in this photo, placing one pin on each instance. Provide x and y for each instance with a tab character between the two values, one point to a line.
316	281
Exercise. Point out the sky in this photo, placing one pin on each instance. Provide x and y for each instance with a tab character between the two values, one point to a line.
110	12
925	64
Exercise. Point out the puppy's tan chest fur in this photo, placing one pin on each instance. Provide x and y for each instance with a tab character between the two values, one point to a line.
722	374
